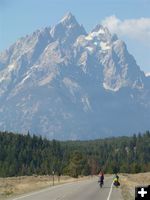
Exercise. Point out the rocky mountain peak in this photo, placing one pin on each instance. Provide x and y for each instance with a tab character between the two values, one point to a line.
64	83
68	19
102	33
67	30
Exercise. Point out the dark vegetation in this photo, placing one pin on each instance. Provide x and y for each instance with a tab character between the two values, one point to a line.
28	155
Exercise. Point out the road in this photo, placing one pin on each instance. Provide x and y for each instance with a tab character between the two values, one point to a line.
80	190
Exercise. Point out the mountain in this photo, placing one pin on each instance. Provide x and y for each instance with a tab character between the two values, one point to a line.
64	83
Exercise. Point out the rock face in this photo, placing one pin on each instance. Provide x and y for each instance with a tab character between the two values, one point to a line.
64	83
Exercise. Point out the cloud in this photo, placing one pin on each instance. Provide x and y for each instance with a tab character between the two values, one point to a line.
137	29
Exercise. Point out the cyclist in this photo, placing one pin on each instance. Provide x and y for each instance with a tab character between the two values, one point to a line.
101	178
116	180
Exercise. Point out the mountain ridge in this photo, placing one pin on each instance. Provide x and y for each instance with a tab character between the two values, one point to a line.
63	82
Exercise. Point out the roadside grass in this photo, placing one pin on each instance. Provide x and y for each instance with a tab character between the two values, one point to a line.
130	181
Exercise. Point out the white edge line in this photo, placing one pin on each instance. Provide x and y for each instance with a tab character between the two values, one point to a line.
108	198
41	191
31	194
44	190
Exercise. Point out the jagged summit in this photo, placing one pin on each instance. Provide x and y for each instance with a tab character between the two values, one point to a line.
68	18
64	83
103	33
100	29
67	30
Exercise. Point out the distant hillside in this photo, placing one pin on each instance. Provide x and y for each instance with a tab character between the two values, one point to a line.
27	155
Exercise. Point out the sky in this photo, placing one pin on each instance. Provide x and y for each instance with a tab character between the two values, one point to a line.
130	19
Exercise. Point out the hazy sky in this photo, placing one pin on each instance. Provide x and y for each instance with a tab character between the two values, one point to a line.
130	19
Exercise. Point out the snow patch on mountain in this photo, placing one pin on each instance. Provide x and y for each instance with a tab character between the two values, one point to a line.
147	74
105	46
86	104
71	85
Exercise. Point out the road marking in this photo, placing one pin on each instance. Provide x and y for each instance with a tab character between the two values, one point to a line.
108	198
32	194
48	189
43	190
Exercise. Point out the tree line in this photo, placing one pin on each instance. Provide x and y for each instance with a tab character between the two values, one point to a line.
29	154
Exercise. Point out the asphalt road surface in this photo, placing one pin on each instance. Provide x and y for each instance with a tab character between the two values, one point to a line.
80	190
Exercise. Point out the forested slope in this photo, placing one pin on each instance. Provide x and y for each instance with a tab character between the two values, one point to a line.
27	155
